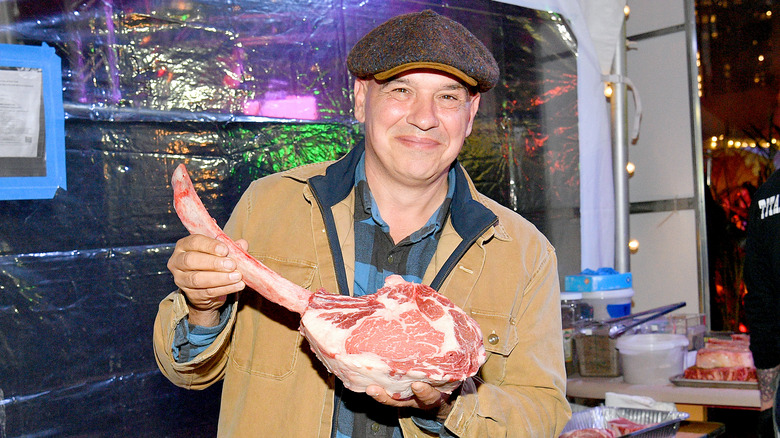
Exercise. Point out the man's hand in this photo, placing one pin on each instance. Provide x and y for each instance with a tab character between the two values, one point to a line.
202	270
426	398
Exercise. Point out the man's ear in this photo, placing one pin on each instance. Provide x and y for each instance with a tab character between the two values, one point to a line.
360	90
473	112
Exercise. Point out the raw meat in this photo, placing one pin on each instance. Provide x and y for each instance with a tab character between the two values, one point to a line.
724	360
589	433
623	426
723	374
614	428
719	355
403	333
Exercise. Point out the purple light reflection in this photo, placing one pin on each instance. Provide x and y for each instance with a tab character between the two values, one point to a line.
289	107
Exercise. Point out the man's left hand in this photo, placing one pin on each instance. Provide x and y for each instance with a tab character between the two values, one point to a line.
425	397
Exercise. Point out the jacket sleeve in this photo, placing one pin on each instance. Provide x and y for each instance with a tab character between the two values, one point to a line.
203	370
209	366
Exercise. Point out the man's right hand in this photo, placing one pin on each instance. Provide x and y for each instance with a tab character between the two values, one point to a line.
202	270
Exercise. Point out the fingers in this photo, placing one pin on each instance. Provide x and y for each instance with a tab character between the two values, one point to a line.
425	396
379	394
202	270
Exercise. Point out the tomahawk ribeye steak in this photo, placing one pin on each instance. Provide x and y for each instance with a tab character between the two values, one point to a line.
403	333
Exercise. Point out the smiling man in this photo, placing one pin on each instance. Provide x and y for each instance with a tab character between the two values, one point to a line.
398	204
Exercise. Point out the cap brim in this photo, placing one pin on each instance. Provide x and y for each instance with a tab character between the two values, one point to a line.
387	74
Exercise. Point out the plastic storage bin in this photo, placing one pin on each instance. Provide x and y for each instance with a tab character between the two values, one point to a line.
597	355
651	359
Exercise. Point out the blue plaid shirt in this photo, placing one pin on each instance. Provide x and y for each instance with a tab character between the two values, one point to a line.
376	258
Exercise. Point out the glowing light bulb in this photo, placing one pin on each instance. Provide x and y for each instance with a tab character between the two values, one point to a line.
633	246
630	168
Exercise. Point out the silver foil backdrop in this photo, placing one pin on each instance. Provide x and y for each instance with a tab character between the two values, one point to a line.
237	89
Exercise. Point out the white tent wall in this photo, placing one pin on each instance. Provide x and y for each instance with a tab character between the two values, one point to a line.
666	190
595	50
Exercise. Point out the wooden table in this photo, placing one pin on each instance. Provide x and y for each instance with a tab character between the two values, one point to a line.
693	400
698	429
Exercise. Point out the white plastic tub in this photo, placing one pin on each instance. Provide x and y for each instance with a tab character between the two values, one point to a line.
651	359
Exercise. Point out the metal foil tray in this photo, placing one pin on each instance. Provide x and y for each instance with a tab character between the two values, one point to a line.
661	424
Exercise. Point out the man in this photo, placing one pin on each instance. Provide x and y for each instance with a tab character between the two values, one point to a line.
400	204
762	302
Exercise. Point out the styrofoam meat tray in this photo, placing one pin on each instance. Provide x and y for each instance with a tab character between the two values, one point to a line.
664	423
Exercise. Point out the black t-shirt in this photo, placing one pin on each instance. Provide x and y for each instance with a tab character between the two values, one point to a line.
762	273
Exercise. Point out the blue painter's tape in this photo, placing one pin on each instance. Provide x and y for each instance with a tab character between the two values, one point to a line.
40	187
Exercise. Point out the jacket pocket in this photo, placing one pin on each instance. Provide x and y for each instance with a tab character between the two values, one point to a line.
266	341
499	335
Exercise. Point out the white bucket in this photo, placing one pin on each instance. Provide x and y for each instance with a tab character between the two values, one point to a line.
651	359
609	304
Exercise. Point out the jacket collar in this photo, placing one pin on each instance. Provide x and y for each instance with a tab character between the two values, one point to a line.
469	216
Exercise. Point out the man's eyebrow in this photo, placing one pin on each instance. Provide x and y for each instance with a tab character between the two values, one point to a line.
456	86
453	86
393	81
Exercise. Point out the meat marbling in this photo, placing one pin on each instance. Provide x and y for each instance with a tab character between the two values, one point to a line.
403	333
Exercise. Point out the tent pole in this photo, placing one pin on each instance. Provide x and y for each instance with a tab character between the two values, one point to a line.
620	155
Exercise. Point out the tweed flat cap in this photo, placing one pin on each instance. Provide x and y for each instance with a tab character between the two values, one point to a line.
423	40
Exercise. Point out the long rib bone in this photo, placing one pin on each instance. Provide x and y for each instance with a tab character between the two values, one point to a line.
196	219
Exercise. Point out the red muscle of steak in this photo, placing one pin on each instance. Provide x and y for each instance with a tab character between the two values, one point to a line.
623	426
723	374
403	333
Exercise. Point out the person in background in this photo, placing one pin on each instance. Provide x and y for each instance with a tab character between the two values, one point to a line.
762	302
398	204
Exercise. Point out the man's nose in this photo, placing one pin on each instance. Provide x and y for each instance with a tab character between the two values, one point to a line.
423	114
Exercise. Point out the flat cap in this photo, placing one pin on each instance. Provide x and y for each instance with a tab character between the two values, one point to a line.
423	40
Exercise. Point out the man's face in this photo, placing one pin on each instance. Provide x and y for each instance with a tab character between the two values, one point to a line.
415	125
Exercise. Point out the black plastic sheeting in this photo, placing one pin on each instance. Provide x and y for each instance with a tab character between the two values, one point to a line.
236	90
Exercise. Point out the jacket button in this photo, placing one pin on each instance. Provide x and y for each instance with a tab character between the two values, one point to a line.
375	427
390	259
493	339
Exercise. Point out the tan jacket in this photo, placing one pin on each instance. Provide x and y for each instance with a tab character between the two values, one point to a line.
275	387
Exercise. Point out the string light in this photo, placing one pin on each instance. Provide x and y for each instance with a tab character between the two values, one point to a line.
737	143
633	246
630	168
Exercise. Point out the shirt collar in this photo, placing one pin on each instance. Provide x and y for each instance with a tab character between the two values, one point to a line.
435	222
